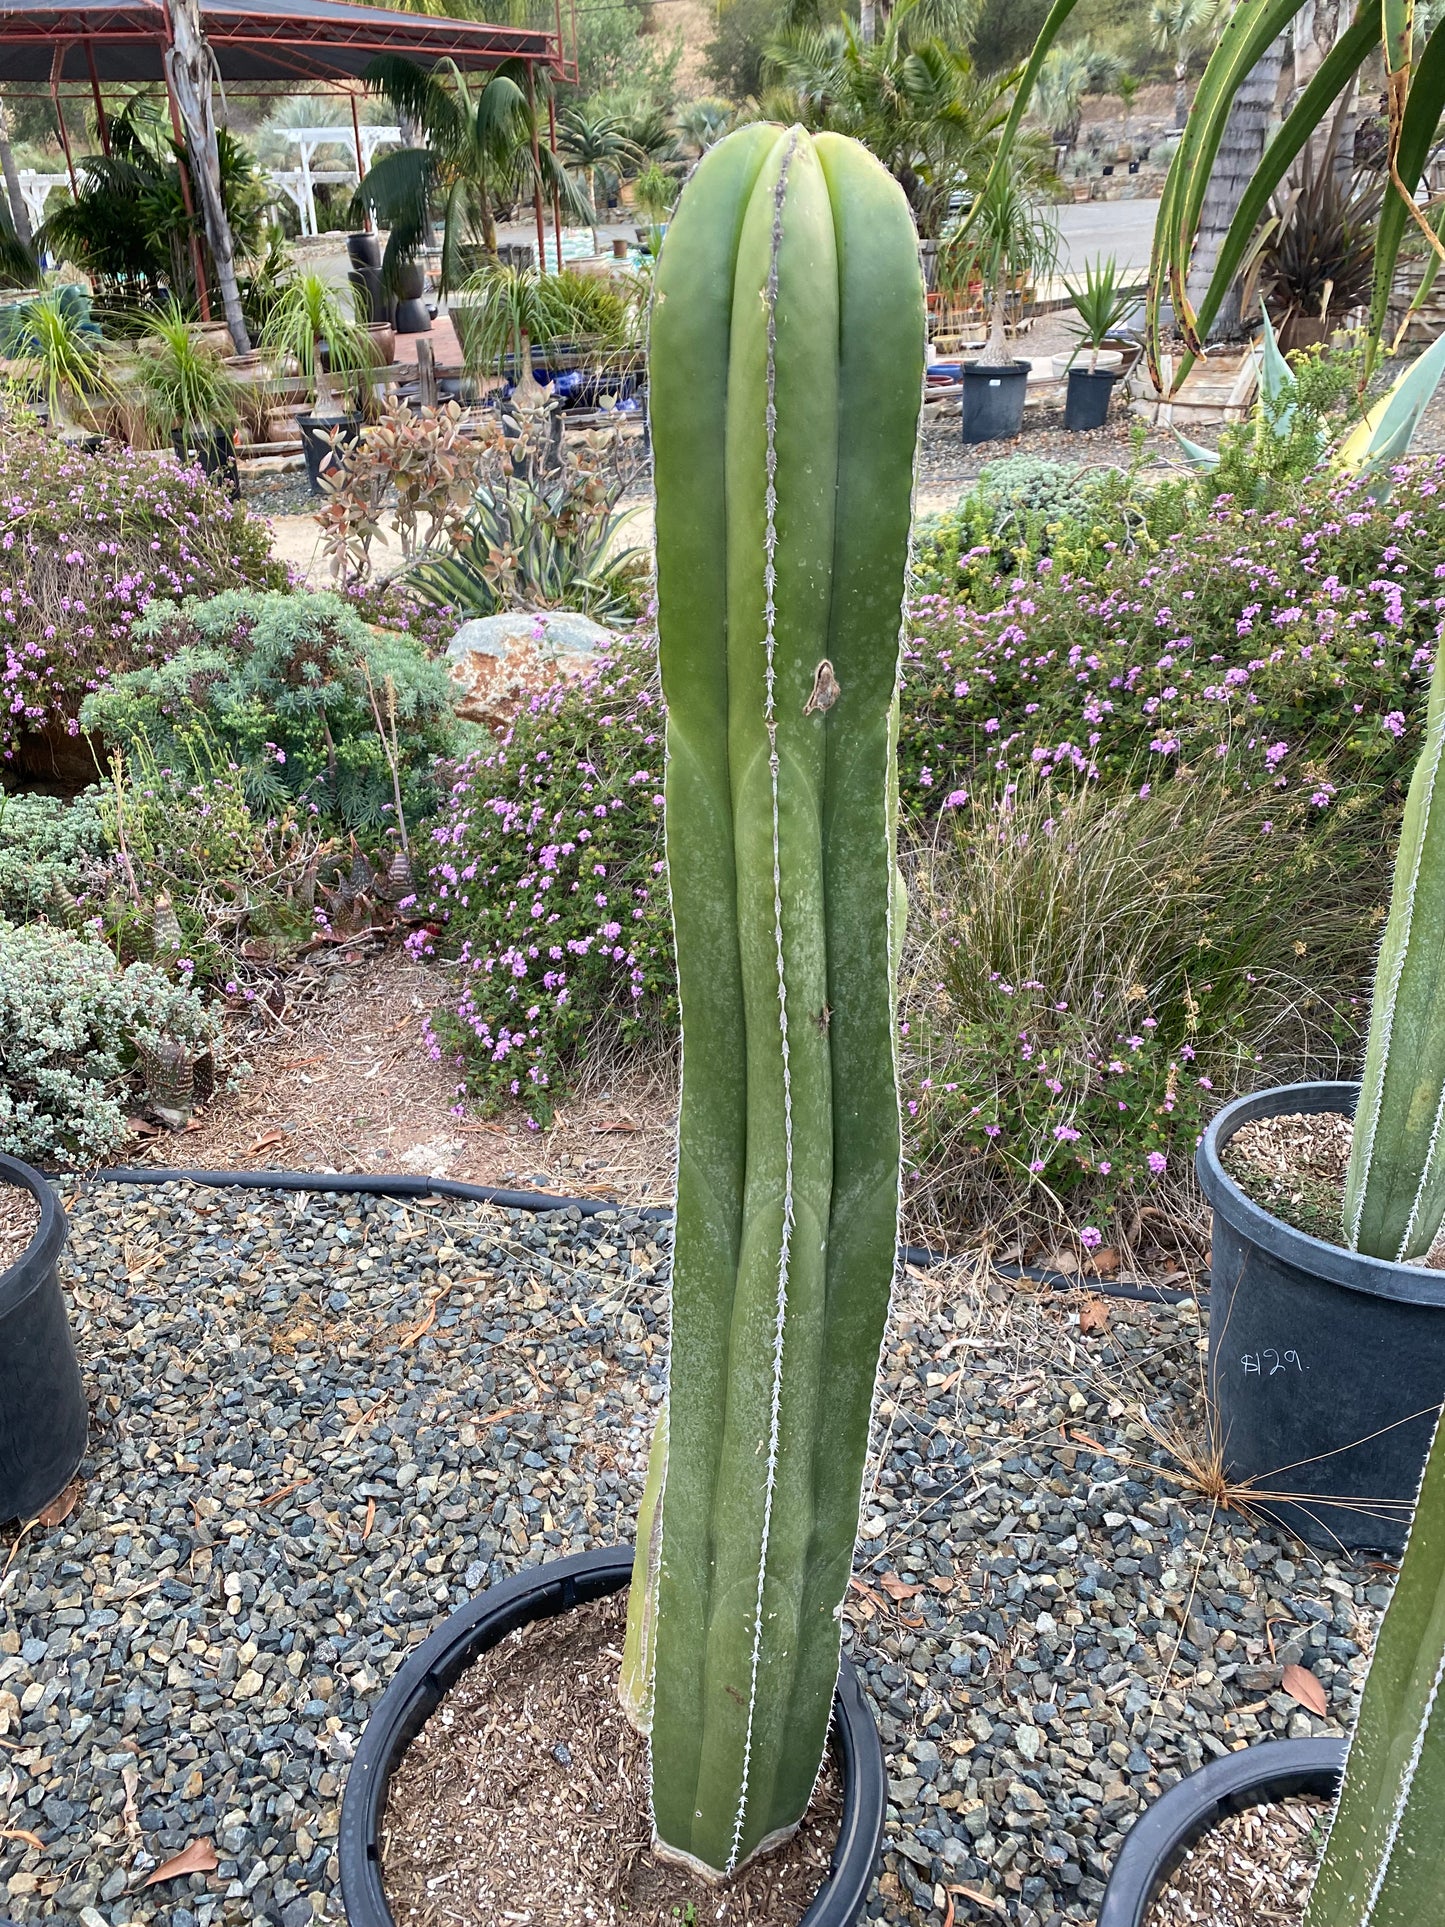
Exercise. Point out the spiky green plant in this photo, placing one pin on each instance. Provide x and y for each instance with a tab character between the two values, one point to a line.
1384	1860
1395	1185
786	371
310	315
184	382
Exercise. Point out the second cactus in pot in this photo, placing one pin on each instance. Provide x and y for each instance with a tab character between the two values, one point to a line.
786	379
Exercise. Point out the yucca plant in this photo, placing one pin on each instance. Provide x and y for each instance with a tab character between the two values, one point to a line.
1101	302
786	370
317	327
503	312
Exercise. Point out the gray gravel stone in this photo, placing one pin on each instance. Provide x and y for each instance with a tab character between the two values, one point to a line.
323	1424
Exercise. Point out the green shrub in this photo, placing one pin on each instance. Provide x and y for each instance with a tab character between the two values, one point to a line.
47	844
286	688
1091	976
547	883
74	1028
1021	508
86	542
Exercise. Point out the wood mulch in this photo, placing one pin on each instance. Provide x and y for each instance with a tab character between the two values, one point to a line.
1252	1870
525	1798
344	1083
19	1222
1294	1167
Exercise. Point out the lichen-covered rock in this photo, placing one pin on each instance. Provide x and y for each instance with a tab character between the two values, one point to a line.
499	662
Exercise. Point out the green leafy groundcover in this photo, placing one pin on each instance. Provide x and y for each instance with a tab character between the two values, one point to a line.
1267	671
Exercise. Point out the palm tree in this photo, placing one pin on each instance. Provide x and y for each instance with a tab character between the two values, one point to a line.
588	139
1010	235
1180	28
917	102
1241	149
480	143
1065	77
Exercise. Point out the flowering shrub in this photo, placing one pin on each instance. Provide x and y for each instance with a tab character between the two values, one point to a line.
1290	650
547	885
86	542
1091	975
73	1028
290	688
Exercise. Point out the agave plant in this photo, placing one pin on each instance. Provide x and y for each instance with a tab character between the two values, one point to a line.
1415	96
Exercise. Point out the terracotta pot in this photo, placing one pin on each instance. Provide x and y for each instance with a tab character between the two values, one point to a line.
383	343
281	426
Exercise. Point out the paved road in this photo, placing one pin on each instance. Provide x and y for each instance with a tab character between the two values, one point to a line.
1124	229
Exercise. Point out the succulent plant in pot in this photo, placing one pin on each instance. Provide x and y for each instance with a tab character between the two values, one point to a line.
786	381
189	394
314	325
1327	1338
1008	239
1100	302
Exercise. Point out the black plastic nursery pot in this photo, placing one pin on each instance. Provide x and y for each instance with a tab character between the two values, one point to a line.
1326	1368
1163	1834
214	449
44	1421
541	1593
316	446
1086	405
993	401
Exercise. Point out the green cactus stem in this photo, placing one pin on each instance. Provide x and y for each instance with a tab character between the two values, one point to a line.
1384	1861
1395	1184
786	381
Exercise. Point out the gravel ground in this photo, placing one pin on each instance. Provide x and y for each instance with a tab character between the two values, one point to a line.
322	1424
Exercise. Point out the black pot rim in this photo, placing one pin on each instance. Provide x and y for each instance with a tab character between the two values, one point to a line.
1376	1277
540	1592
1166	1830
977	368
35	1262
1111	375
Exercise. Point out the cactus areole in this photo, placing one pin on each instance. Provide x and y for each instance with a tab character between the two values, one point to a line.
786	380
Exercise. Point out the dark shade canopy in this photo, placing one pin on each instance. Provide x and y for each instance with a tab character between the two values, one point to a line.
301	43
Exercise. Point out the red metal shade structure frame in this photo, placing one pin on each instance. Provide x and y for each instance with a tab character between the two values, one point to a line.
308	46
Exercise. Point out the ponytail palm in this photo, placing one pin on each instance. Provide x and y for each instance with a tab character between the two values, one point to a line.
478	155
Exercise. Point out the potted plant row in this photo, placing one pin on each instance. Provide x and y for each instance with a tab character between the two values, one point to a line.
779	622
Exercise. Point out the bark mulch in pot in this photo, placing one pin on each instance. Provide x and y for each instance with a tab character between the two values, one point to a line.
525	1797
1294	1168
19	1222
1252	1870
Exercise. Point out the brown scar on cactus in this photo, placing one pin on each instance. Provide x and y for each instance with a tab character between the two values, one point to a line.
825	690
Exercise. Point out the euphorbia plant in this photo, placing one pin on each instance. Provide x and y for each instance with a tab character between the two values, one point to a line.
786	376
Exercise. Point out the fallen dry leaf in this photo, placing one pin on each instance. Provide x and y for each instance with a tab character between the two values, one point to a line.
21	1833
60	1508
1105	1261
198	1857
979	1899
264	1143
616	1124
1093	1315
370	1520
1305	1689
897	1588
1065	1261
142	1127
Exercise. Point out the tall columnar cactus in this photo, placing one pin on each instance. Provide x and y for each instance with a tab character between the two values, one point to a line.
786	378
1395	1185
1384	1861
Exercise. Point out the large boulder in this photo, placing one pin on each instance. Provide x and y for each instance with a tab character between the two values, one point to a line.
499	663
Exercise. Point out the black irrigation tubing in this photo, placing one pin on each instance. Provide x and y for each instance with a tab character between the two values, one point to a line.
385	1185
